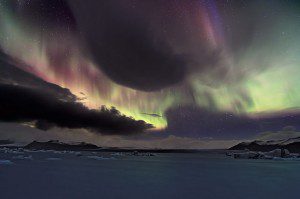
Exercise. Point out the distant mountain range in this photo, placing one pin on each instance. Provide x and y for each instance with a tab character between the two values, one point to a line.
60	146
291	144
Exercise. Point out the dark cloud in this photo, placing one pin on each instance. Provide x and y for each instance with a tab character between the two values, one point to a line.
21	104
193	121
124	45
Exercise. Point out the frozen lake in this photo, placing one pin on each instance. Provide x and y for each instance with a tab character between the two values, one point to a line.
191	175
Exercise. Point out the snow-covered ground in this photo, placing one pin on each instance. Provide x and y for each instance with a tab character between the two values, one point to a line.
51	174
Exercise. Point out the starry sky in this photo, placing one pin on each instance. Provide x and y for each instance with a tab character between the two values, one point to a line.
196	68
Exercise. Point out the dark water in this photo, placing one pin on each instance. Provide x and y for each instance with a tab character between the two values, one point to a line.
202	175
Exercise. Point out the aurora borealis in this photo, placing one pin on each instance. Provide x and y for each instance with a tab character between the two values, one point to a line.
147	58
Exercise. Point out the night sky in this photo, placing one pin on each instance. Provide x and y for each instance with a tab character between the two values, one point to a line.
196	69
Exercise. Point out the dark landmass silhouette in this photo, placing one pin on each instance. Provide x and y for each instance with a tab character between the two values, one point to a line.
291	144
60	146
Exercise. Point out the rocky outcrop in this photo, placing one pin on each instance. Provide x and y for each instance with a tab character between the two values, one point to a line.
292	145
274	154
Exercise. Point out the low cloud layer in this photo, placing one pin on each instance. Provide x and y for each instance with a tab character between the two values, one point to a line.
283	134
193	121
20	104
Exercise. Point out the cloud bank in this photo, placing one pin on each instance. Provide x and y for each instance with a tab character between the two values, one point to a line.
26	98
